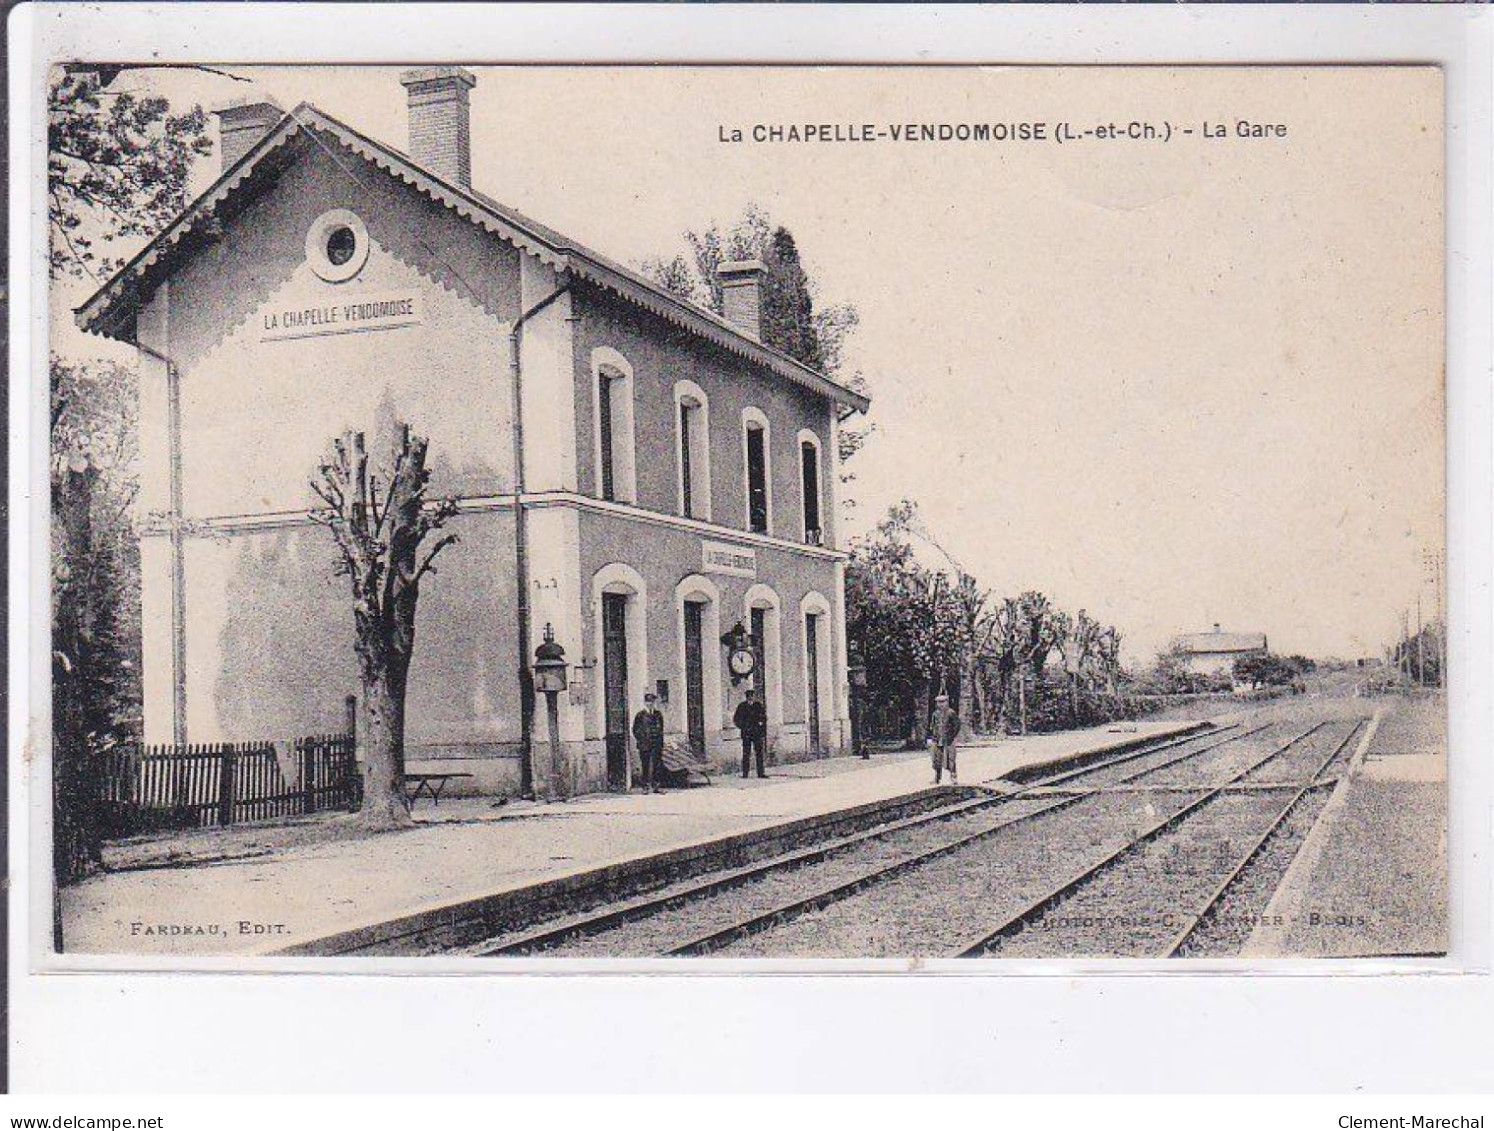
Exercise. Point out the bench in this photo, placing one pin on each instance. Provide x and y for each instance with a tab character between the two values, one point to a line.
431	785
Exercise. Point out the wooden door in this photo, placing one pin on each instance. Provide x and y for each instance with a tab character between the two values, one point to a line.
695	677
615	684
812	660
760	655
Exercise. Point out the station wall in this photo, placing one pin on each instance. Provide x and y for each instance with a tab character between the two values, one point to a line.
660	356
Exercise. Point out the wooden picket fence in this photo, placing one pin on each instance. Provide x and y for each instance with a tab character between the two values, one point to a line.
155	788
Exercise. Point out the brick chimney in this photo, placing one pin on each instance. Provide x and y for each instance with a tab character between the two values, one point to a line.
741	295
241	124
440	121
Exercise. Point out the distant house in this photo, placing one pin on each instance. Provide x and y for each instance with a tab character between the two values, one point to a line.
1215	653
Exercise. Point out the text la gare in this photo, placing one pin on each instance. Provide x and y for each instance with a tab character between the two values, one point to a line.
1243	128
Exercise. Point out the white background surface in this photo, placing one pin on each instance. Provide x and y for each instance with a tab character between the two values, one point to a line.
1055	1030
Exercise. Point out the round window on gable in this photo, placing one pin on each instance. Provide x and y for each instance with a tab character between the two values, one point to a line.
341	245
337	245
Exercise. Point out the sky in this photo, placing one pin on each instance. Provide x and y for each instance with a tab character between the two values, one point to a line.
1176	383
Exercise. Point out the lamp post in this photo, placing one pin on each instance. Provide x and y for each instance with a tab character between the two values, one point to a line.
856	671
550	678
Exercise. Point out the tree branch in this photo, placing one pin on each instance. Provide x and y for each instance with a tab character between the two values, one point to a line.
427	566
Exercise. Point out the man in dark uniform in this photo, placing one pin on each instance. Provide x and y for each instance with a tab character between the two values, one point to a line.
648	736
751	718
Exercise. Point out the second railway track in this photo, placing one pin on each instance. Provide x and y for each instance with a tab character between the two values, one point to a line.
869	892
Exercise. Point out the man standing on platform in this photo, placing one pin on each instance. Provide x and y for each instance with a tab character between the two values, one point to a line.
648	736
751	718
942	737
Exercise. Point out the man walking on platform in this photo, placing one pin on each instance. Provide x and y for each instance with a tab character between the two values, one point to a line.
751	718
648	736
942	737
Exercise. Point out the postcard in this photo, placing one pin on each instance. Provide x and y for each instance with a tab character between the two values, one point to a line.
746	512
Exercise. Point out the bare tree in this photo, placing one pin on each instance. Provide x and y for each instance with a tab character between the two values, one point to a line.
1091	657
977	626
1108	648
379	530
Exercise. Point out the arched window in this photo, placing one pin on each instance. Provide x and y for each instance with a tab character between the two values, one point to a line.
757	464
811	493
692	426
612	406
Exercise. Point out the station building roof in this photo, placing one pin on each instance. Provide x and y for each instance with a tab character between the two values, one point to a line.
111	311
1207	643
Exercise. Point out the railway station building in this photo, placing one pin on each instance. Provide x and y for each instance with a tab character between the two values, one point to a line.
647	474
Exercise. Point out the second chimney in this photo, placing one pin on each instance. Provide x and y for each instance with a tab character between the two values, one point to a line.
241	124
742	295
440	121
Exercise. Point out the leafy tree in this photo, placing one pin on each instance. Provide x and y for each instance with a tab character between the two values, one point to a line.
882	583
118	165
94	427
918	629
1420	654
95	595
974	629
1171	675
380	519
1091	657
1268	670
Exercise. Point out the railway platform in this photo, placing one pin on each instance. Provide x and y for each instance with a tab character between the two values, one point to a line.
1371	879
272	889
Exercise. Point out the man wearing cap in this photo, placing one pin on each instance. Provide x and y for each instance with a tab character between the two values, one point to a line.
648	736
751	718
942	736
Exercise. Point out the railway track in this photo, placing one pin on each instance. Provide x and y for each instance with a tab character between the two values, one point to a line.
1017	805
1146	855
728	908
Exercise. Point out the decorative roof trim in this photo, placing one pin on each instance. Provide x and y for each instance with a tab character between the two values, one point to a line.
107	311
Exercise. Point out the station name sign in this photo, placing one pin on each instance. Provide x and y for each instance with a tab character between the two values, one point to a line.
355	314
734	561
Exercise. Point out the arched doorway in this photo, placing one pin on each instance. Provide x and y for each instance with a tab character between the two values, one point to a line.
819	670
699	605
762	614
619	610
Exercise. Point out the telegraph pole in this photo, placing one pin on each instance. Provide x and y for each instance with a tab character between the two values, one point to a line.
1432	562
1421	662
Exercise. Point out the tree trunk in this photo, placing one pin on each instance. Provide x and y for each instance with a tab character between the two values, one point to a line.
76	844
382	735
381	555
1003	706
980	704
967	694
919	730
